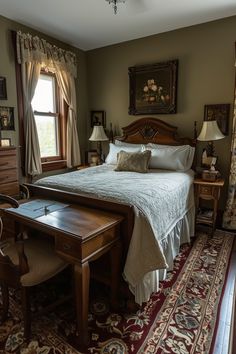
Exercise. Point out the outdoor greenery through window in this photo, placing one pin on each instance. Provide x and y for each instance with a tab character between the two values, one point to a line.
44	105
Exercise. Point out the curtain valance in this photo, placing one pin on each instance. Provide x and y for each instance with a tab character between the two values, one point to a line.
34	49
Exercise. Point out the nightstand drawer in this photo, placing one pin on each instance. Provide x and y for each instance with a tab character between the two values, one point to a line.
206	190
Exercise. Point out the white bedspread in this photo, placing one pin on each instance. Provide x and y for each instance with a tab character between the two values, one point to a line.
160	199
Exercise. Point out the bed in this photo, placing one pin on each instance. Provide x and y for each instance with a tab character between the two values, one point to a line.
162	203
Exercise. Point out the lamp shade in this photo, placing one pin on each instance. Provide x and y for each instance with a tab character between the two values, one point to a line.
210	131
98	134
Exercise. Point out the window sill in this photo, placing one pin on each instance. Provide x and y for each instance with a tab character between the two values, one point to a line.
53	165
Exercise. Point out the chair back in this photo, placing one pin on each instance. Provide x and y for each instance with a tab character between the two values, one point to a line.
10	273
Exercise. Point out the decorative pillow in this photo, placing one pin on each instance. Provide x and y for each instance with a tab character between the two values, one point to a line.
114	150
176	158
122	143
133	162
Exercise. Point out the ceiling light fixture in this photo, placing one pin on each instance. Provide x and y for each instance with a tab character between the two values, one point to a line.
114	4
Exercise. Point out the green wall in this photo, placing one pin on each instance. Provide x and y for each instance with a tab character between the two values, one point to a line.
206	76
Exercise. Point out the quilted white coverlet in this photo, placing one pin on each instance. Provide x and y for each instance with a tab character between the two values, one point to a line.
160	199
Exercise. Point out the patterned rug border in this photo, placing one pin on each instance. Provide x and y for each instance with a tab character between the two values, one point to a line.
202	239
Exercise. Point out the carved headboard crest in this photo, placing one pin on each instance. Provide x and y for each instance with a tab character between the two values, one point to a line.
153	130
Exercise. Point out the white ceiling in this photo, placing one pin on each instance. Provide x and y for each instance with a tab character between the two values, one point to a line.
89	24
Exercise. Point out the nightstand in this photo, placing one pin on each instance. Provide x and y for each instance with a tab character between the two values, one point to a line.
207	191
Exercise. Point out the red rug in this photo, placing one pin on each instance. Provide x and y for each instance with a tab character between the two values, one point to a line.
181	318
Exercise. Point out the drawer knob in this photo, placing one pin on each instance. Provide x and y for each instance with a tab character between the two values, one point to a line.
66	246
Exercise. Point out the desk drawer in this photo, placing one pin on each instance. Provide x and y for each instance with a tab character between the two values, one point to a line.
79	250
69	246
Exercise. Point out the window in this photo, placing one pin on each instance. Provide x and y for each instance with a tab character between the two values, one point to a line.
49	121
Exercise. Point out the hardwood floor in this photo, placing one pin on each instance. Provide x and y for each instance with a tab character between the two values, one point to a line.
224	344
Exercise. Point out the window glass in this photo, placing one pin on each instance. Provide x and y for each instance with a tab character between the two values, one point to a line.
44	97
46	118
47	133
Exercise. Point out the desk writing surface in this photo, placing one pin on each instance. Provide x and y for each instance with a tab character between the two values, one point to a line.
76	220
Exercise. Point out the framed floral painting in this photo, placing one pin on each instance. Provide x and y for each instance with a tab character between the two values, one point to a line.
153	88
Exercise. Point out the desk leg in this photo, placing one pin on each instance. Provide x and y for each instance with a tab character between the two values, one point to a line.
115	259
81	277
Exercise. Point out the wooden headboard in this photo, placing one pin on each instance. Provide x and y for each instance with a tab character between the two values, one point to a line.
153	130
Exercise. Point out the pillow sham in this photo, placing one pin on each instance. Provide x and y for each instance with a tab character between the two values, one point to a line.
122	143
111	158
175	158
133	162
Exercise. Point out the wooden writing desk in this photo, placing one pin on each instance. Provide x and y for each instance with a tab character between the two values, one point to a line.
81	234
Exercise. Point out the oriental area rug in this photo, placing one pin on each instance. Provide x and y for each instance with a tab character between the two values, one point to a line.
181	318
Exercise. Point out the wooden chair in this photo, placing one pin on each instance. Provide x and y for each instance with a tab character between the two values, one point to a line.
25	263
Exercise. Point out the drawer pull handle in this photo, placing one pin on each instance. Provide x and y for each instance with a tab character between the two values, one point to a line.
66	246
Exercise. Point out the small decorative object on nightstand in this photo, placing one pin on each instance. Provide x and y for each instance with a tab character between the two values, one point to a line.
210	132
207	191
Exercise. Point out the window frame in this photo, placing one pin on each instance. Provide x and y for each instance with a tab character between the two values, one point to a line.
52	164
57	116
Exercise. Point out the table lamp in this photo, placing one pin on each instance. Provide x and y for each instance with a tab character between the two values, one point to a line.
98	135
210	132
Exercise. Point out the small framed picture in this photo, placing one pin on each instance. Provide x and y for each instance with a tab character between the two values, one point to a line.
98	118
7	118
91	157
5	142
220	113
3	88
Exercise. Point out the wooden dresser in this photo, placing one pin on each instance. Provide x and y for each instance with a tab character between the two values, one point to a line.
9	180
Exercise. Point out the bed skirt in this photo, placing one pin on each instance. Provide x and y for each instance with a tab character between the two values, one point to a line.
180	234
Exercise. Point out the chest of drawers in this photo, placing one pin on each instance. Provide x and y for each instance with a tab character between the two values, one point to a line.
9	181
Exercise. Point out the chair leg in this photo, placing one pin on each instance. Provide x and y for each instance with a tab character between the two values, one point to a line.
25	298
5	301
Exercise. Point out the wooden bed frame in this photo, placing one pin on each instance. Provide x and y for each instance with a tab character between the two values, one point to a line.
142	131
152	130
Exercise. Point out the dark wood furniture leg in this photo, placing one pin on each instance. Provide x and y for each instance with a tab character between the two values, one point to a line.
26	311
81	278
115	257
5	301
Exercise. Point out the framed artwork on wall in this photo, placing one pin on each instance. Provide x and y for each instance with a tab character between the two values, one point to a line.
3	88
7	118
5	142
91	157
220	113
153	88
98	118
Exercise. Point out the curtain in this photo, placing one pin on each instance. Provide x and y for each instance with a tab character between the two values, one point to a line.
33	54
30	75
67	86
229	217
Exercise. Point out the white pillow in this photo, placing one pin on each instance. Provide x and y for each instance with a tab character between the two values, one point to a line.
122	143
114	150
176	158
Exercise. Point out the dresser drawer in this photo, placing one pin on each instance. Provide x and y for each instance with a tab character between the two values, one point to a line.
10	188
7	161
7	176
